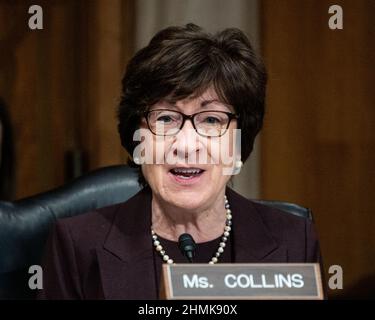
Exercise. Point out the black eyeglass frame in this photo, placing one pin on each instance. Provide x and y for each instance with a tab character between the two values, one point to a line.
191	117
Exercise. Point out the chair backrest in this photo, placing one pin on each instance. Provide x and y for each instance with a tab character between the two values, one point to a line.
24	224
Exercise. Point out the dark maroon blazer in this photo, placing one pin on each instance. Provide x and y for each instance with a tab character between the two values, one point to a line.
108	253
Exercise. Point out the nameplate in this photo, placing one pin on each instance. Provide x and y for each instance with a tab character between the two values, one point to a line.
242	281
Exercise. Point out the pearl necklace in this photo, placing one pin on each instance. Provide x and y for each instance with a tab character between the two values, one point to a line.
228	223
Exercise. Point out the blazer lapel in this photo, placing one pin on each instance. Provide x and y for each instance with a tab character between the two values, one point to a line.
126	258
252	240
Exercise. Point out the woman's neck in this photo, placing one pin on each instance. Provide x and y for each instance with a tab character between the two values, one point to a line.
203	225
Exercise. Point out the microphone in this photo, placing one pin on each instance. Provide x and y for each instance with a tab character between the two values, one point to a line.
187	246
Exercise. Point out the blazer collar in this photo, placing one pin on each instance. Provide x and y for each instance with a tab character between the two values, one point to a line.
126	261
252	240
130	237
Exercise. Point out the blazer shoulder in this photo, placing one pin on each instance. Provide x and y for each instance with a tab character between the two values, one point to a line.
297	233
90	228
271	216
275	217
283	226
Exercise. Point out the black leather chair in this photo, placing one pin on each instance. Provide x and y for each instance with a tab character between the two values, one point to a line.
24	224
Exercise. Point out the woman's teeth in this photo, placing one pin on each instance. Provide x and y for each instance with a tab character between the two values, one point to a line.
186	172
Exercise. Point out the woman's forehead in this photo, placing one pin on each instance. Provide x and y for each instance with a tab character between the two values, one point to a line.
207	100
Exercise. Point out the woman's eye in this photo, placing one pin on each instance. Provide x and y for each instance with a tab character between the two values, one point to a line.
212	120
164	119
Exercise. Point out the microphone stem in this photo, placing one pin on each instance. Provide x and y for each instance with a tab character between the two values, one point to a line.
189	255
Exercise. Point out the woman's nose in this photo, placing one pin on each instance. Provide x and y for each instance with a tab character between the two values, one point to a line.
187	140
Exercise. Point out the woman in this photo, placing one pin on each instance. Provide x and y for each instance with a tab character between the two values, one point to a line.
185	93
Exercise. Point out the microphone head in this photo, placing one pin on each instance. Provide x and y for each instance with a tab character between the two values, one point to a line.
187	245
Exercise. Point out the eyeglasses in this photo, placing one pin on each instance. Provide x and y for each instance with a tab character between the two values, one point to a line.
164	122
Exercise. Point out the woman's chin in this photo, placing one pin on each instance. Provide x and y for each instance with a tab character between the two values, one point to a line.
187	198
186	202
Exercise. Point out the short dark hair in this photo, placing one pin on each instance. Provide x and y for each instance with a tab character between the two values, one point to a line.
183	61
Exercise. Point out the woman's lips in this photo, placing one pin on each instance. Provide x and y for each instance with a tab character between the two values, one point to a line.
186	177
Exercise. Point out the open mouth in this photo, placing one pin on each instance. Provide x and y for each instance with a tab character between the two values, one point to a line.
186	173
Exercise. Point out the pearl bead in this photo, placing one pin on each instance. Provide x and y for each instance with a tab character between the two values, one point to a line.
154	237
222	244
170	261
156	243
227	228
159	248
211	262
166	257
214	259
226	234
220	249
217	254
224	239
229	216
229	211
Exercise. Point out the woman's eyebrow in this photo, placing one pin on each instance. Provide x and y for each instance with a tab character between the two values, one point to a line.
219	103
171	103
206	102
